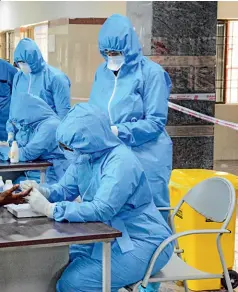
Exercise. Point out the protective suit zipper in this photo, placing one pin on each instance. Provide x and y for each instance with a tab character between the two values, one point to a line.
111	98
29	86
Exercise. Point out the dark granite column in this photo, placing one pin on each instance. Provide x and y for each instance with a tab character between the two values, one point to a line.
181	36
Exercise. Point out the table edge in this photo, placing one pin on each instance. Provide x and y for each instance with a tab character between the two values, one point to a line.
62	241
11	167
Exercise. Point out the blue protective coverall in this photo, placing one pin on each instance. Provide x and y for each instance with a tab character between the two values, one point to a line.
136	101
44	81
114	190
7	72
36	136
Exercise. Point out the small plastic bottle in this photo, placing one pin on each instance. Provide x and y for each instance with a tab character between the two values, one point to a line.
14	153
8	185
1	184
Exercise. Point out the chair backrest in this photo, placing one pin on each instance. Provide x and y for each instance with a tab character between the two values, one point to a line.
213	198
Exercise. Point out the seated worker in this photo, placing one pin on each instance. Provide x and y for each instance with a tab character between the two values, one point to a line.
36	124
114	190
8	197
7	72
38	78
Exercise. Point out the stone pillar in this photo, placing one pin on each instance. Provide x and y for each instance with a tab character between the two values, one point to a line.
181	36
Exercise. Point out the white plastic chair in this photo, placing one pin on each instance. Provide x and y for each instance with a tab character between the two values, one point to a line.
213	198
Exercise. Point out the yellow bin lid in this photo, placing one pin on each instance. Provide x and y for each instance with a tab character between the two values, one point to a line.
191	177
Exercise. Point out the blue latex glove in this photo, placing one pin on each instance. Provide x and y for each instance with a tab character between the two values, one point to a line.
151	287
4	153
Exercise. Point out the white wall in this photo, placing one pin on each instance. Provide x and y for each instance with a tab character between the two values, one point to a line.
227	10
226	140
14	14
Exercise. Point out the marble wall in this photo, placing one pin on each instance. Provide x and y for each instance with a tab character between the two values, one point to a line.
181	36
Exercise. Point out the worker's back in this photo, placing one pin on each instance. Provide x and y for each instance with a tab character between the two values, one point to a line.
7	72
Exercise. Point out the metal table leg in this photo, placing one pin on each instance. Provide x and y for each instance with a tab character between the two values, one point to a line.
42	176
106	267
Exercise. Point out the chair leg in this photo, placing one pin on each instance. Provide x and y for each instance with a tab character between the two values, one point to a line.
224	267
228	281
185	286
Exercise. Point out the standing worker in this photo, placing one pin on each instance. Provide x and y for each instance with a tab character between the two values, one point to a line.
134	92
38	78
112	185
7	72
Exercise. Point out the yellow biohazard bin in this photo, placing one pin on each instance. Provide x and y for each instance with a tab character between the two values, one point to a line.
200	250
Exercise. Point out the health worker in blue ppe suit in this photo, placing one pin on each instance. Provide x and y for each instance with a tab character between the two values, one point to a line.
7	72
36	137
112	185
134	91
38	78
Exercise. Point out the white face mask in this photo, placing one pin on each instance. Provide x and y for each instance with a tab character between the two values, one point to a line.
25	68
114	63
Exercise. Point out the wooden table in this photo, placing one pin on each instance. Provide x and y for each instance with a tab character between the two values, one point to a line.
25	166
34	252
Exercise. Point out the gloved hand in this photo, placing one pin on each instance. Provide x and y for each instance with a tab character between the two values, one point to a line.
4	153
10	138
27	184
114	130
40	204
